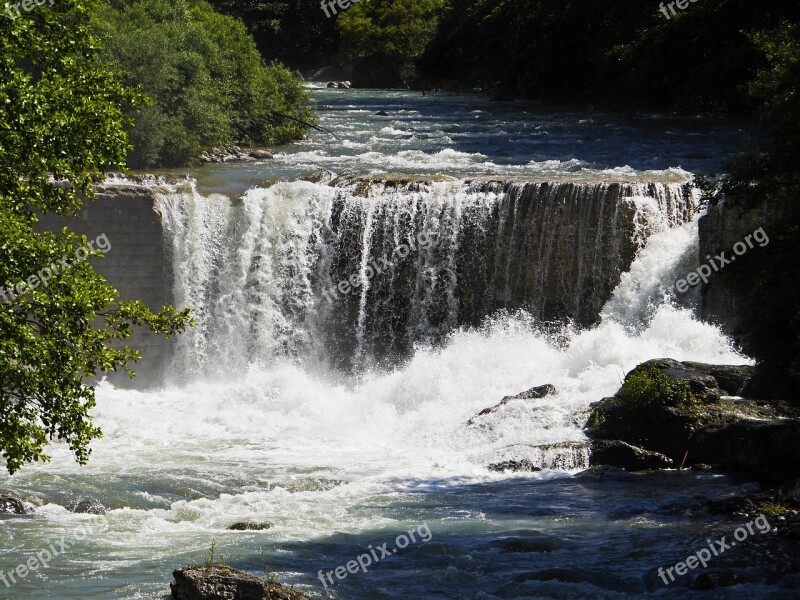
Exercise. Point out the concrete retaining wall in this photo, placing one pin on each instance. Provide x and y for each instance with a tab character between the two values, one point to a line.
136	264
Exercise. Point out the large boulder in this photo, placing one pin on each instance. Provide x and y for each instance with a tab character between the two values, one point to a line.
225	583
687	418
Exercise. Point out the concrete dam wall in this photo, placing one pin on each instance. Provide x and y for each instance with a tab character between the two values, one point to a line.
136	263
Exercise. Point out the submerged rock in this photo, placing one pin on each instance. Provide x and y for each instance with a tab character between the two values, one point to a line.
225	583
11	504
247	526
89	506
514	466
532	394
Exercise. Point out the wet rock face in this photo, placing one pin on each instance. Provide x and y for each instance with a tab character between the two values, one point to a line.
225	583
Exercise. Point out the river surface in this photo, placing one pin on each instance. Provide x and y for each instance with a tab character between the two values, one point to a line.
342	461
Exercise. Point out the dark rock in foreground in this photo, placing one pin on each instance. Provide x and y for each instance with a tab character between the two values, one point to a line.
225	583
693	419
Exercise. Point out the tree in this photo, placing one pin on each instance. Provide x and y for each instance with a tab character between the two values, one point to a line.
62	118
395	31
207	82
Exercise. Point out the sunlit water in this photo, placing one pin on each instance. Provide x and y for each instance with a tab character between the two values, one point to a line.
338	461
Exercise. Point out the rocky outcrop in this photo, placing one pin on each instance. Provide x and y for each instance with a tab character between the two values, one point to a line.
532	394
754	297
225	583
737	436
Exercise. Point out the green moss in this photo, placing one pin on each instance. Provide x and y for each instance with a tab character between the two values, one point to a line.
772	509
650	387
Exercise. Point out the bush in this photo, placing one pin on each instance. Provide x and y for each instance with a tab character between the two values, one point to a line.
205	79
650	387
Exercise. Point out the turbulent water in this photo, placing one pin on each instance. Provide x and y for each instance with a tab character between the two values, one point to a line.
344	422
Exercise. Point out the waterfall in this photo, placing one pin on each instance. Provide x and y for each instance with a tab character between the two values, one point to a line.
358	273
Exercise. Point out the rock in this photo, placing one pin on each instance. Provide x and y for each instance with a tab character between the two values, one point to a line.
333	84
323	176
89	506
708	580
732	379
532	394
247	526
235	150
790	491
381	113
11	504
514	466
617	453
703	385
261	154
345	85
225	583
741	437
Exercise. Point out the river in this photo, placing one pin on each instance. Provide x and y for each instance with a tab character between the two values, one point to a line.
344	423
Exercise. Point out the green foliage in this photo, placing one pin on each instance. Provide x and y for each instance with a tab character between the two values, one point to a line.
396	31
61	125
777	87
650	387
210	559
622	53
294	32
206	81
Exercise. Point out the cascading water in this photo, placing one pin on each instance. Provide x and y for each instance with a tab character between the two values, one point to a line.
272	413
361	273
